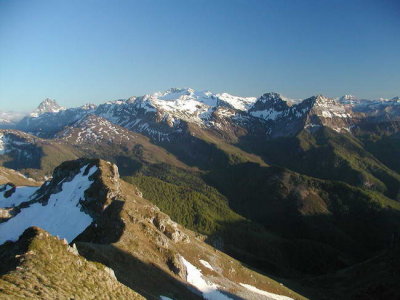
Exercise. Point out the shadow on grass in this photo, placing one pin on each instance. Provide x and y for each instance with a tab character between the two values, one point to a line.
145	278
9	251
95	244
19	161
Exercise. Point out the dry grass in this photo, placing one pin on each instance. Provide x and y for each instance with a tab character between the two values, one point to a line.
47	270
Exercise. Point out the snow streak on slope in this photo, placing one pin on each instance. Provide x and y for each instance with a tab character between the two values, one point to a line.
265	293
206	264
61	216
3	143
209	290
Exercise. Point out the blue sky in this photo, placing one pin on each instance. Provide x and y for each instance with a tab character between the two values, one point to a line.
93	51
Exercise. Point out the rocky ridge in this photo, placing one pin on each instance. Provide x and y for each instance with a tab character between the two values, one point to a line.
126	232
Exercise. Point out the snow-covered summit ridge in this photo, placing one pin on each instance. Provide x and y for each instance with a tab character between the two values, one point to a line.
46	106
272	106
162	114
190	100
192	105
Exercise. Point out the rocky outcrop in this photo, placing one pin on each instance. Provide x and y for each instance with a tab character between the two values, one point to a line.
177	266
169	228
7	189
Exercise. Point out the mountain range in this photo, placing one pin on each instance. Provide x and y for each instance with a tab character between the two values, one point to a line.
186	194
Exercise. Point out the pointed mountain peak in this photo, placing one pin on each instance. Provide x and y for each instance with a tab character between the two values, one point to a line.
268	100
269	106
47	106
321	97
318	100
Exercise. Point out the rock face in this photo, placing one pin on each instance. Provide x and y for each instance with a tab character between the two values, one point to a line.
169	228
7	189
176	265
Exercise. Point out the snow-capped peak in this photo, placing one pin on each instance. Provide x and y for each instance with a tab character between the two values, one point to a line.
177	92
321	99
185	94
237	102
48	105
348	97
89	106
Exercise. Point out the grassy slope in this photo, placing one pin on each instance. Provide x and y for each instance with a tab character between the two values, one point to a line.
9	175
44	269
44	157
375	278
328	155
143	248
385	148
328	223
132	155
296	206
313	226
41	156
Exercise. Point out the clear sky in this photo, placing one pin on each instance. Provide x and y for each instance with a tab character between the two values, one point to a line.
96	50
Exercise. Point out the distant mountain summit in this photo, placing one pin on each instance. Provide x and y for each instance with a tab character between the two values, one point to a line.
163	116
9	118
46	106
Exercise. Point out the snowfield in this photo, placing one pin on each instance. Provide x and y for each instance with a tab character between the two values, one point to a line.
21	194
61	216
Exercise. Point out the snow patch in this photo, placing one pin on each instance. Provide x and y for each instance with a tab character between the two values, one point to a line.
209	290
206	264
21	194
268	114
265	293
61	216
2	144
